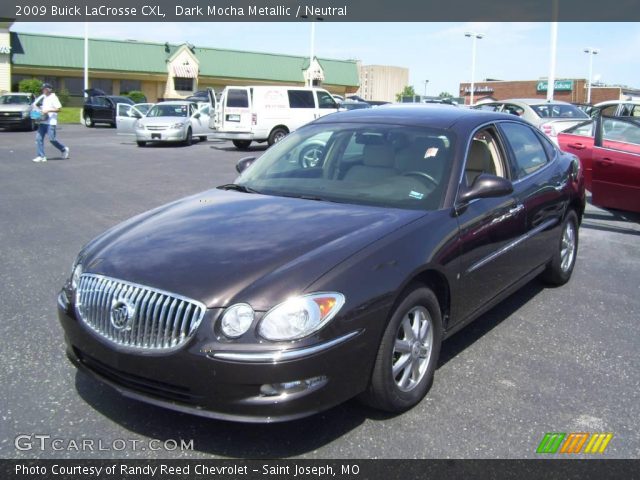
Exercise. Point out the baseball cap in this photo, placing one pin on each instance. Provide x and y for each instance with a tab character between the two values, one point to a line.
46	85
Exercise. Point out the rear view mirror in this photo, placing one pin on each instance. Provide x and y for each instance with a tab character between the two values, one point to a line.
244	163
485	186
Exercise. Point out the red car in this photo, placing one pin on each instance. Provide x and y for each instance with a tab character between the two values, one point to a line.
609	151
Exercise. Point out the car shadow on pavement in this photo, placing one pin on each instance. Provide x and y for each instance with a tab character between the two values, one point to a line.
230	148
221	438
488	321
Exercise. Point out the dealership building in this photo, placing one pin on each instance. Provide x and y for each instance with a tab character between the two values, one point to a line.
159	70
570	90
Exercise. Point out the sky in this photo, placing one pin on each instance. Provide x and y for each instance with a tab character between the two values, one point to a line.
438	52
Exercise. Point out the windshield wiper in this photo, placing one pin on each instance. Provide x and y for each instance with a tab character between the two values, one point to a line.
237	188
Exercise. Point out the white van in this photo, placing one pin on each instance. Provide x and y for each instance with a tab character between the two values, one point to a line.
266	113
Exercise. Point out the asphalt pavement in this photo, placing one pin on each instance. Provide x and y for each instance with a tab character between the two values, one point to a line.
545	360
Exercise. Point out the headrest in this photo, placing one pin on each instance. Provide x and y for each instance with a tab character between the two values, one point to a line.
479	156
378	155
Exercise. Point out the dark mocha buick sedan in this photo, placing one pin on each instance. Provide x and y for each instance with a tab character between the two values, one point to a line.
305	284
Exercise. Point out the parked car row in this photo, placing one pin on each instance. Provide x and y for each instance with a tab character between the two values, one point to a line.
608	146
15	111
550	117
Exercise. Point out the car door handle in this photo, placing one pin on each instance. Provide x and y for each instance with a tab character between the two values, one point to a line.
576	146
605	162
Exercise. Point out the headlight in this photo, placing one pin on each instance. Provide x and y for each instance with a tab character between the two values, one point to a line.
237	320
139	125
26	114
177	125
301	316
75	275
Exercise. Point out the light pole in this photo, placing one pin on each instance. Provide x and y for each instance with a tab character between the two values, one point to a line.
591	52
474	36
426	82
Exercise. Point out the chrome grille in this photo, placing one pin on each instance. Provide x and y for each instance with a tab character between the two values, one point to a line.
134	315
157	127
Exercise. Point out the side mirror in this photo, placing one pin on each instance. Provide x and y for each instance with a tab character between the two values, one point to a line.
244	163
485	186
196	115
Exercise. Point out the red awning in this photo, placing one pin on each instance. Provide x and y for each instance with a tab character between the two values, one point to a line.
185	71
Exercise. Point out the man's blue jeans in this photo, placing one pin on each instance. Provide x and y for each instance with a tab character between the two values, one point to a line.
44	129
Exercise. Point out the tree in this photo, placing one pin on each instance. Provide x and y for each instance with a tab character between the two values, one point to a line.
30	85
408	91
137	96
445	95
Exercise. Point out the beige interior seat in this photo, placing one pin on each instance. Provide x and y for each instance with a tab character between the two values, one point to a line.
479	161
377	164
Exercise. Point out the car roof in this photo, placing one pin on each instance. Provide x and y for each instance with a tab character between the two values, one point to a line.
533	101
426	115
617	102
176	102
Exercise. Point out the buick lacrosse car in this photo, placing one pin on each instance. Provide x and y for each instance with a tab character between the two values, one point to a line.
302	285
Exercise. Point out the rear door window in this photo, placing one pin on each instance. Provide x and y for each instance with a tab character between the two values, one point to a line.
529	153
237	97
301	99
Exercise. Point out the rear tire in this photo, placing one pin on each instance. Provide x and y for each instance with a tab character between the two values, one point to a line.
408	354
141	143
560	268
276	135
242	144
88	121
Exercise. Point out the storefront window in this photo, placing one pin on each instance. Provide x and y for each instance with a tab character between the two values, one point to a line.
103	84
183	84
74	85
127	86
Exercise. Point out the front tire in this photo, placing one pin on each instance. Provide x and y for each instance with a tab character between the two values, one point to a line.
188	140
141	143
560	268
88	121
408	354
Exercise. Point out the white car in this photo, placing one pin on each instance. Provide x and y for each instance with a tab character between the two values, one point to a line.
174	121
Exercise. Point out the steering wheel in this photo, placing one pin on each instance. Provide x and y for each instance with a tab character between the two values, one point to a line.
421	175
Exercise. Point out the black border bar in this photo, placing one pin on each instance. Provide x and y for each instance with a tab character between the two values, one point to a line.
327	10
551	469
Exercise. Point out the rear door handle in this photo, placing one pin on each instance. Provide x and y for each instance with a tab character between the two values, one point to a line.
605	162
576	146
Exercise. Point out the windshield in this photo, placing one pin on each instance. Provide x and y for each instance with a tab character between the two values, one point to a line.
15	100
367	164
553	110
168	110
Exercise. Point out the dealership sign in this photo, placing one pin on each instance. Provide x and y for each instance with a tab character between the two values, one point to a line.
5	49
558	86
479	89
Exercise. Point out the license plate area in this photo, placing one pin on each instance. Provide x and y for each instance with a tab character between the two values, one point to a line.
233	118
156	136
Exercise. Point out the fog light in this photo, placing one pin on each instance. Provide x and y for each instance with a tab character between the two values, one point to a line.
295	386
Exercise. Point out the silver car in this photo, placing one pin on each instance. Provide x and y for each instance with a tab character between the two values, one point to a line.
550	117
175	121
15	111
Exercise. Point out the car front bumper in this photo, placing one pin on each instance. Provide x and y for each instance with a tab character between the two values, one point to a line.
233	135
14	121
222	383
168	135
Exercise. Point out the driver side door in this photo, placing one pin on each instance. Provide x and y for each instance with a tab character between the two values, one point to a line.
126	118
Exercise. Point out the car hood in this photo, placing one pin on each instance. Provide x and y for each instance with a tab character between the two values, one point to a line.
221	247
163	120
14	107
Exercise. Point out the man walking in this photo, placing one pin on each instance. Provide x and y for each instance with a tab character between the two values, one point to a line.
49	108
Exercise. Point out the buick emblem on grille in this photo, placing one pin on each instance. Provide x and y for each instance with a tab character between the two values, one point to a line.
121	314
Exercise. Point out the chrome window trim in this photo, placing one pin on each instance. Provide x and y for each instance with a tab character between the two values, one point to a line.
282	355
